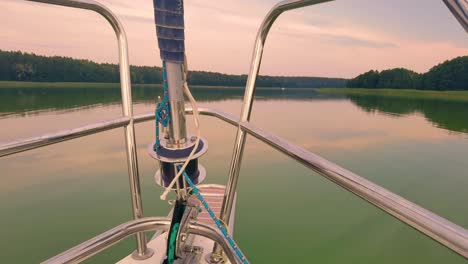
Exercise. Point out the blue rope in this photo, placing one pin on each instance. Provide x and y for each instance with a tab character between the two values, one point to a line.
220	226
163	111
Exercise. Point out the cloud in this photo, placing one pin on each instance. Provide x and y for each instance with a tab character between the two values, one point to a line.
220	35
335	34
351	41
140	19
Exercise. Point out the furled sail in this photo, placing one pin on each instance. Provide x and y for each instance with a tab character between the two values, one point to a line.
169	17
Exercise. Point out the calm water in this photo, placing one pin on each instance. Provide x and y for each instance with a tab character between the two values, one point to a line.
58	196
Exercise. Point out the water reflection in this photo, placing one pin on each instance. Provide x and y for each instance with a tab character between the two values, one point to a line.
450	115
78	189
16	101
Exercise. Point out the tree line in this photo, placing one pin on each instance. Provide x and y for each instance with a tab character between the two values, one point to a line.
20	66
449	75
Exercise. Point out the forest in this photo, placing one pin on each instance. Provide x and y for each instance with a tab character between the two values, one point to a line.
449	75
20	66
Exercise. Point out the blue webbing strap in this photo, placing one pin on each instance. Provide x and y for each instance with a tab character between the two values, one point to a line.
220	226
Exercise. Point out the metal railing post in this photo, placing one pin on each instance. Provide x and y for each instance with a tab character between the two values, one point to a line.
142	251
236	160
459	11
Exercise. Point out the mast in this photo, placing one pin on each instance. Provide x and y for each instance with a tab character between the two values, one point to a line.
169	18
175	148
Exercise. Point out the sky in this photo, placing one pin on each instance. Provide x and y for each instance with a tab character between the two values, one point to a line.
342	38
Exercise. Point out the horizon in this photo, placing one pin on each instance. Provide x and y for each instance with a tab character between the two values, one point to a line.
298	76
358	40
158	66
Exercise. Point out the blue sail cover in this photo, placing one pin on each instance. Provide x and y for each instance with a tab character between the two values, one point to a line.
169	18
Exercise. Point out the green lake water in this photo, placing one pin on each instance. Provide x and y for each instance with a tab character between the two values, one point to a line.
55	197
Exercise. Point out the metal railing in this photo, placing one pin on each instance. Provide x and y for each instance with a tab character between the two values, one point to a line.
239	142
127	111
159	224
459	11
441	230
455	7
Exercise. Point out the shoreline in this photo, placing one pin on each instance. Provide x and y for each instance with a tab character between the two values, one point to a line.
71	85
400	93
